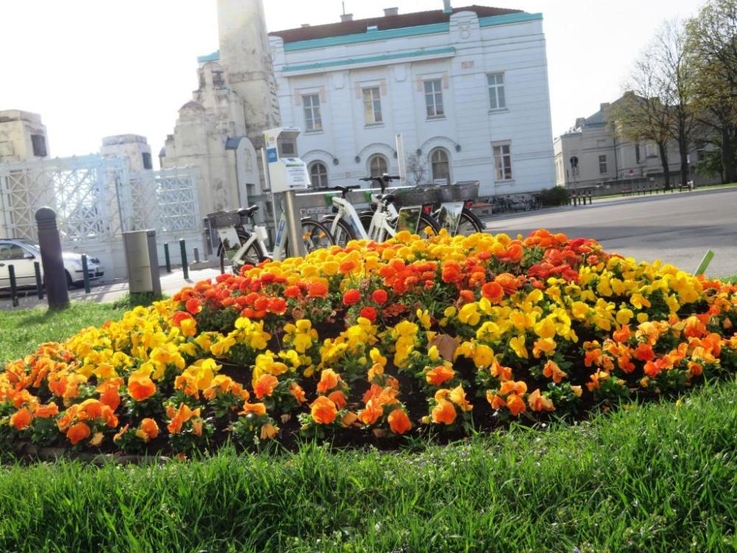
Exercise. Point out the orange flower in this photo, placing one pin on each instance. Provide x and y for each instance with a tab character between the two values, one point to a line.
255	408
328	380
369	313
552	370
317	290
268	431
439	374
78	432
297	392
495	400
46	411
399	422
516	404
538	402
265	385
179	417
444	412
140	386
458	396
338	398
148	430
374	409
21	419
323	410
351	297
492	291
379	296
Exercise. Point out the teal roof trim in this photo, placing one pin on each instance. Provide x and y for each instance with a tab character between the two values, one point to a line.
215	56
508	19
370	36
369	59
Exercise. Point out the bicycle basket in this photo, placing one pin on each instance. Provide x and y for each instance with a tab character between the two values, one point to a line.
419	195
223	219
459	192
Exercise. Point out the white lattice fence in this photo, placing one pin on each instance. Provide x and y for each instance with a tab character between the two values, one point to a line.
96	199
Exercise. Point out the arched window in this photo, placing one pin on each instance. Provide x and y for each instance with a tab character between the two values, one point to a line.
378	165
319	175
440	165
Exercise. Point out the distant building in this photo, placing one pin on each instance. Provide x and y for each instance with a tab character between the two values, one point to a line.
22	136
467	89
591	155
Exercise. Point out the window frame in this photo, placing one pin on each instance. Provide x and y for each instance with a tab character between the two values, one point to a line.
321	176
603	168
371	101
497	93
374	158
434	107
502	153
433	163
311	112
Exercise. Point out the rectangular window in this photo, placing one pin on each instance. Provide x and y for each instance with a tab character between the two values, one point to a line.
496	91
638	155
434	98
311	106
503	161
39	145
602	164
372	105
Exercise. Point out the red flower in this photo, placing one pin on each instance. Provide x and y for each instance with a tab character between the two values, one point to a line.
369	313
193	306
379	296
351	297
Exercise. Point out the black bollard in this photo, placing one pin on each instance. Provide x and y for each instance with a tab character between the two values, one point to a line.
39	280
86	274
51	259
183	251
167	259
13	285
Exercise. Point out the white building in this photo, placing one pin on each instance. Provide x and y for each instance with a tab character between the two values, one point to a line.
466	88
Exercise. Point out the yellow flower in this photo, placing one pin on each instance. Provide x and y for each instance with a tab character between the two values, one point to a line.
517	344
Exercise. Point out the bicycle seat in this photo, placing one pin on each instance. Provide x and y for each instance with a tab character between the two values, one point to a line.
247	211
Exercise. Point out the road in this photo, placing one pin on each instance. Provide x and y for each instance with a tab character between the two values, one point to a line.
677	228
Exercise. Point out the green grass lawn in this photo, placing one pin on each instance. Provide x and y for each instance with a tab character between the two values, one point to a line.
646	478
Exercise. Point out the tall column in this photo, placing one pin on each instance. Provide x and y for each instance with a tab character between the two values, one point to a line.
244	52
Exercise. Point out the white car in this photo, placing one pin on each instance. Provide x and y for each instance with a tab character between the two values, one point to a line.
22	256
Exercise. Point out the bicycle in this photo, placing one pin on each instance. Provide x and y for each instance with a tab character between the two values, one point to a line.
380	223
250	248
452	208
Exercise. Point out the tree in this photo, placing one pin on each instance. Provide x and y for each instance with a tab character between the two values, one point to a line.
712	45
659	107
416	169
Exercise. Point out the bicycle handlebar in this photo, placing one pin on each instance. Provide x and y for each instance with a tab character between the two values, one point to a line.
382	178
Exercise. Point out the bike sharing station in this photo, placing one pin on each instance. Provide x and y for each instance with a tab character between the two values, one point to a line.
410	208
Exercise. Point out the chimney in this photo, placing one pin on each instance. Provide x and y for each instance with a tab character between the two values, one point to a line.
346	17
391	11
446	6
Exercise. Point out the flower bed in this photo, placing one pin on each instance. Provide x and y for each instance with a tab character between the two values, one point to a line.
377	342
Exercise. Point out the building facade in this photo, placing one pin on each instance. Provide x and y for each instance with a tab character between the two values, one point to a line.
592	156
22	136
466	89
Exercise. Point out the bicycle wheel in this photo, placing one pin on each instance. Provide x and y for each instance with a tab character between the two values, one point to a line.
344	232
469	223
315	235
252	256
428	226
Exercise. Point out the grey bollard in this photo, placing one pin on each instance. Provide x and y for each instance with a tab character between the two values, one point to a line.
51	259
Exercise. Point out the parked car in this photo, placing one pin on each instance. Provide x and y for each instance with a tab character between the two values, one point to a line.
22	255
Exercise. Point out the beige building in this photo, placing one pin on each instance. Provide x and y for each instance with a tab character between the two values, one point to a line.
220	129
22	136
591	155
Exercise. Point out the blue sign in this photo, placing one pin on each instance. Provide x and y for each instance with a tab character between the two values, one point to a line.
271	155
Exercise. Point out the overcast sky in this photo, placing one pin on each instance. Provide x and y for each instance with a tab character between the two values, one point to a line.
94	68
